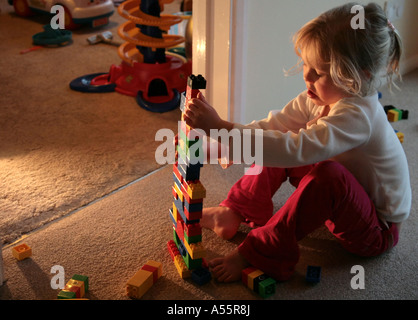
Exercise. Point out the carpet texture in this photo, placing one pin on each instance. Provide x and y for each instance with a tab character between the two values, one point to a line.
61	149
114	236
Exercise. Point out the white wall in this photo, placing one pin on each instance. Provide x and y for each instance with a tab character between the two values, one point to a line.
270	27
244	65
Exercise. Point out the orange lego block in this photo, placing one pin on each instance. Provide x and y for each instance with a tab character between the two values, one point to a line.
401	136
195	250
393	115
252	276
195	189
181	267
77	287
143	279
22	251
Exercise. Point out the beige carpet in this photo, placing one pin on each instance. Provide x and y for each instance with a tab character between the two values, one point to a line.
110	239
61	149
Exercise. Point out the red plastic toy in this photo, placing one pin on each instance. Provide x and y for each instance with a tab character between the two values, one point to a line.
155	78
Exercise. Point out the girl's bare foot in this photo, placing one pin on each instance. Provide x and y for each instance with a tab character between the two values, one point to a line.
229	268
222	220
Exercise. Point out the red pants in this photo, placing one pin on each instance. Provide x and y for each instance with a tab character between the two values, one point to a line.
326	193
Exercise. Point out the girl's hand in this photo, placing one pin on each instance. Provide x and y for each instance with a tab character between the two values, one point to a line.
199	114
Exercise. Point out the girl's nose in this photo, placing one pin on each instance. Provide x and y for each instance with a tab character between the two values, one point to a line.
308	76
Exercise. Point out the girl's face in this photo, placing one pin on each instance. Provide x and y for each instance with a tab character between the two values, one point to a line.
321	89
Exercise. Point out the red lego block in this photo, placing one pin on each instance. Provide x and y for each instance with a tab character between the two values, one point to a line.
172	249
191	93
177	172
193	229
143	279
180	230
152	269
196	215
245	274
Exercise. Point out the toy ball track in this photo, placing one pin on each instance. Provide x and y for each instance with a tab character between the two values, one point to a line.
129	31
146	72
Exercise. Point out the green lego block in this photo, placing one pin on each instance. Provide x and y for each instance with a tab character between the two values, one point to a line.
66	295
193	239
85	279
267	287
190	263
189	142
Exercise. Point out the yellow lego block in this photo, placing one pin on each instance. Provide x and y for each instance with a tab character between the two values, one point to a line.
22	251
178	192
181	267
196	190
400	136
143	279
76	286
252	276
175	212
195	250
154	264
393	115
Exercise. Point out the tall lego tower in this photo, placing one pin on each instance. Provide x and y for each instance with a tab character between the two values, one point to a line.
186	248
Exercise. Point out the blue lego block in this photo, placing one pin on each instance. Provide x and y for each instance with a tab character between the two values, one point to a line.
201	276
189	172
193	207
179	206
313	274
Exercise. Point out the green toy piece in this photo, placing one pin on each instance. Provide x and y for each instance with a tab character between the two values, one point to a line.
52	36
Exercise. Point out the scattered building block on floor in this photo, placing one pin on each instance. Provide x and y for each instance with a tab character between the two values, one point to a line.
313	274
201	276
143	279
259	282
22	251
75	288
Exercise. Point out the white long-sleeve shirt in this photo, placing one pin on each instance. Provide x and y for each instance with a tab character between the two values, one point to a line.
355	133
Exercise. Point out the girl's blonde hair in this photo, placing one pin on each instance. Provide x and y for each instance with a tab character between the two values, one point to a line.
357	58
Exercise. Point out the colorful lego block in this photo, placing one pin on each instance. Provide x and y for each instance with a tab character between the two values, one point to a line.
65	294
196	82
172	249
313	274
181	267
201	276
252	276
258	281
82	278
75	288
193	229
143	279
195	250
393	115
194	189
22	251
400	136
266	287
186	249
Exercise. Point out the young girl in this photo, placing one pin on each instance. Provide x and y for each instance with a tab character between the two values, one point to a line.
335	145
